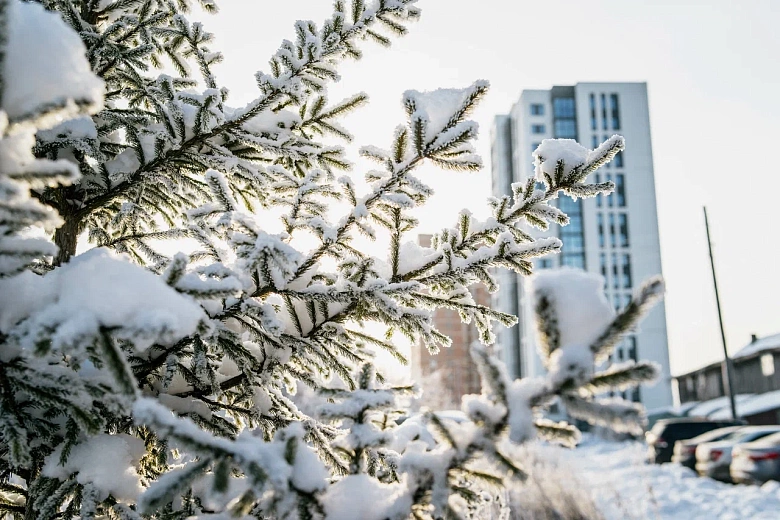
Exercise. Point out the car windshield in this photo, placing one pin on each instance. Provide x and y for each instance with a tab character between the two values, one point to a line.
754	436
742	436
714	435
734	436
772	440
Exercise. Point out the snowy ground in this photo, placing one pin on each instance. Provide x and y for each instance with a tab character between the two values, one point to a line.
625	487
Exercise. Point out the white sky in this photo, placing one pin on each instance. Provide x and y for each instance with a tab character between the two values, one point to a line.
714	87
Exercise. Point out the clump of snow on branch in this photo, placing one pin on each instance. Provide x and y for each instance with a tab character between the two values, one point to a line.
361	497
107	462
96	290
577	330
564	164
45	75
572	363
552	154
578	300
437	107
438	119
521	397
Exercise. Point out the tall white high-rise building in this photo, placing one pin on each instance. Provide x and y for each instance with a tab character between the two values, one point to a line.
615	236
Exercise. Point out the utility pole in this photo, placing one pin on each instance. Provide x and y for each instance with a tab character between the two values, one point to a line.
726	368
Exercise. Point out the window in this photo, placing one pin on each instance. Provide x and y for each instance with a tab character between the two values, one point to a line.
603	112
623	229
612	241
600	224
565	128
571	235
614	111
611	196
632	354
534	146
626	268
593	114
563	107
768	364
538	129
618	160
635	396
620	354
615	279
626	300
577	261
564	118
603	261
570	207
573	254
620	189
701	383
573	242
594	141
575	223
537	109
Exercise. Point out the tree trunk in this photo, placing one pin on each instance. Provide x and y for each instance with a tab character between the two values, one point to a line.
66	237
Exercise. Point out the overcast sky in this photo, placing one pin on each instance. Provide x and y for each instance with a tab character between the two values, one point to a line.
714	87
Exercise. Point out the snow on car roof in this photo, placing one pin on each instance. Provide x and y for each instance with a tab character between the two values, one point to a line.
754	405
717	405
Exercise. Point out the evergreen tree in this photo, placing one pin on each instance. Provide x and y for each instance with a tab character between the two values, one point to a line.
138	385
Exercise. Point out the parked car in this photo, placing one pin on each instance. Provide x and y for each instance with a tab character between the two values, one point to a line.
661	438
714	458
685	450
756	462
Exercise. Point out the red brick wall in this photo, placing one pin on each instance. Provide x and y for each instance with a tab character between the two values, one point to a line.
458	375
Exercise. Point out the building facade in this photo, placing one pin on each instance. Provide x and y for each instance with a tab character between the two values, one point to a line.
615	236
756	379
449	375
756	370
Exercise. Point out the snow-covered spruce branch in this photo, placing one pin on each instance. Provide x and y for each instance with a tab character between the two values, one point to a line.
646	296
564	169
397	182
572	312
441	138
164	140
511	407
341	315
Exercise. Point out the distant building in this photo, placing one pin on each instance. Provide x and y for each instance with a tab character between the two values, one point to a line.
756	379
615	236
450	374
